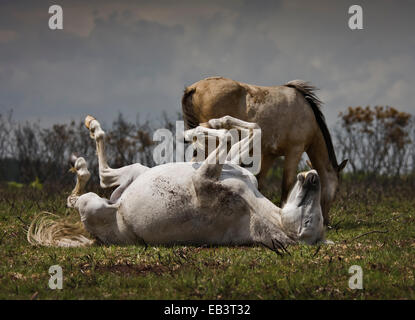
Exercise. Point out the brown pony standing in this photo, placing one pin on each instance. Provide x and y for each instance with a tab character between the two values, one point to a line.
290	119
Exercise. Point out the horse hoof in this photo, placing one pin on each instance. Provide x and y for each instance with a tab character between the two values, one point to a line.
73	159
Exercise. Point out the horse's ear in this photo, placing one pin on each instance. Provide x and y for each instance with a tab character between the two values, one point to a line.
309	164
341	166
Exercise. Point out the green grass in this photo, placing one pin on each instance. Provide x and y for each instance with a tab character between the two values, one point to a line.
307	272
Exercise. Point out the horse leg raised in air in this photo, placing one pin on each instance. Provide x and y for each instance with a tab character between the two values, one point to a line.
209	202
289	117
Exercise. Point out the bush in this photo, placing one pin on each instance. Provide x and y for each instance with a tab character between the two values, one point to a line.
377	141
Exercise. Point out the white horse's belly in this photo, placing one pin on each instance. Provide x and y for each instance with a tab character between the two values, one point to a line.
161	206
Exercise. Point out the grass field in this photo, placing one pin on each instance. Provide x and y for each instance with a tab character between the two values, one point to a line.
372	226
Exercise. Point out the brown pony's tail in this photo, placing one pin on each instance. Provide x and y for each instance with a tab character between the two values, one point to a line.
189	116
308	91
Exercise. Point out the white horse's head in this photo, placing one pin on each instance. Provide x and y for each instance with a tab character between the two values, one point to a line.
302	216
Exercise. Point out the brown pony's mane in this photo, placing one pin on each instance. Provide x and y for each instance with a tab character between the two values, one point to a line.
308	91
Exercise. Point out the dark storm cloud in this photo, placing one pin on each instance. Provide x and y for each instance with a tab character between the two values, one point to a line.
133	56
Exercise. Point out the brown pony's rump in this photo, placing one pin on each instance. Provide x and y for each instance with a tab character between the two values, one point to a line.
190	119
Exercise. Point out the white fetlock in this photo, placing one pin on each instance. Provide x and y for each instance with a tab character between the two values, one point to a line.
221	123
82	177
82	169
215	123
94	127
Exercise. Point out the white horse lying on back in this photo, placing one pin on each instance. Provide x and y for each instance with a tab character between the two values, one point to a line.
194	202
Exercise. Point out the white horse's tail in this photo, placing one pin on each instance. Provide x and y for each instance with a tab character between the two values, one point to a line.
48	229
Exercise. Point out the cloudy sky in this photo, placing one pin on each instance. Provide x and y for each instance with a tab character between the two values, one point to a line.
137	56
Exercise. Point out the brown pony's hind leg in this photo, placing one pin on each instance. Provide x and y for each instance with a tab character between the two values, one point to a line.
289	175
